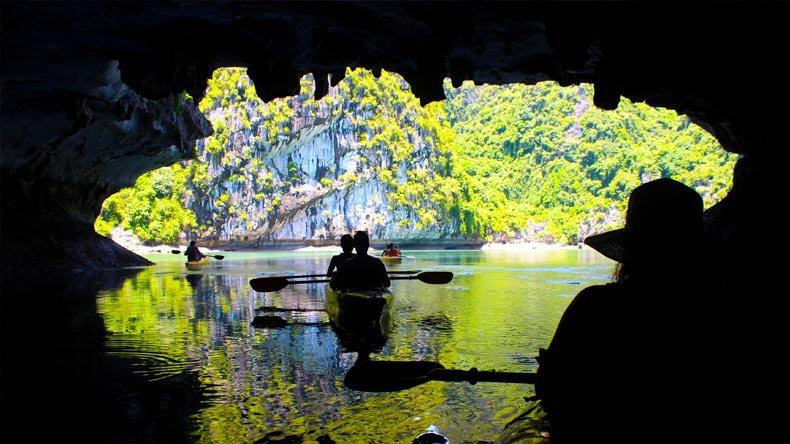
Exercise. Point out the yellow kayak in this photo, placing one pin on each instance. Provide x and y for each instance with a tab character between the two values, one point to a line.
196	265
391	259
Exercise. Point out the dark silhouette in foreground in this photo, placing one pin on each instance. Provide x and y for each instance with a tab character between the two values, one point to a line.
634	359
192	253
361	271
347	244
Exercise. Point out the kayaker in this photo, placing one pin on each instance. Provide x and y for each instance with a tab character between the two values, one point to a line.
193	254
347	244
629	355
391	251
361	271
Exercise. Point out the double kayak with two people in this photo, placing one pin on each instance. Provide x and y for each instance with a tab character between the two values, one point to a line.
391	254
363	315
391	259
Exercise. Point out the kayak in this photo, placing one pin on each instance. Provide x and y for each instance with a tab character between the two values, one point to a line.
196	265
361	315
358	304
391	259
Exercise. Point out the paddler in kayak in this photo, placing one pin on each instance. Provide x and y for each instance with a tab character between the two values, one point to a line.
391	251
638	355
347	244
192	253
361	271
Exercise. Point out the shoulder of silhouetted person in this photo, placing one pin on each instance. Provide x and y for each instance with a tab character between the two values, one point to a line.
595	303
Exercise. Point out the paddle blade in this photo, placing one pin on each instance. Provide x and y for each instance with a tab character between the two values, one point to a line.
269	322
175	251
435	277
267	284
384	376
218	257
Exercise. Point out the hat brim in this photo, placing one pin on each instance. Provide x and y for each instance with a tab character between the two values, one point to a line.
611	244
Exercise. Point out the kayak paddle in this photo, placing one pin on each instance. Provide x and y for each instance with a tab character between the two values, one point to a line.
392	376
324	275
218	257
276	283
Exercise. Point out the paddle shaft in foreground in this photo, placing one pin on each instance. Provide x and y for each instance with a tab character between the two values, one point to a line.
473	376
390	376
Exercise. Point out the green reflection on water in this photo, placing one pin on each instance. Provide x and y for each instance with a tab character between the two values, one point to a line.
497	312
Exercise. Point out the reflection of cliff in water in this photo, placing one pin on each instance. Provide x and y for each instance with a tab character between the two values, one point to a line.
194	328
68	370
164	354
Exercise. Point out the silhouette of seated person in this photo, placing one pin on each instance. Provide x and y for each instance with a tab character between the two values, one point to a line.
347	244
391	251
192	253
361	271
632	359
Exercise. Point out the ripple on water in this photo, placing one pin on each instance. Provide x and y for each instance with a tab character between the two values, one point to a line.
151	361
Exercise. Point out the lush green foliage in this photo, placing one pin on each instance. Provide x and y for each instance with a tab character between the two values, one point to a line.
537	162
543	159
153	209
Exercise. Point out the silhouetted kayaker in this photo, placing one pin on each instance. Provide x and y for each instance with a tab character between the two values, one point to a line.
391	251
347	244
361	271
192	253
629	356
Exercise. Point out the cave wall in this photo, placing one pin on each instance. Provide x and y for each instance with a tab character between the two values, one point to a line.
92	92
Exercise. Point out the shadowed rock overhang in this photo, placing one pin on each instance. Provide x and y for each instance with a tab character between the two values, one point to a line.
92	92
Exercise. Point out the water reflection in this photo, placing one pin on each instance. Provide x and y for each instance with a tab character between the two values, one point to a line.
189	336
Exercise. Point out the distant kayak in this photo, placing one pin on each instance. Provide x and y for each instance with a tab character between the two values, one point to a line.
391	259
196	265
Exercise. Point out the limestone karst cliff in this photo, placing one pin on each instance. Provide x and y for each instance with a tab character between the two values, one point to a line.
503	163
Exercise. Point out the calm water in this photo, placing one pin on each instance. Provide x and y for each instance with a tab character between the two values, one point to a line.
180	345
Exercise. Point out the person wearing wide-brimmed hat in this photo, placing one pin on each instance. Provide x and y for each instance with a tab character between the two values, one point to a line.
624	353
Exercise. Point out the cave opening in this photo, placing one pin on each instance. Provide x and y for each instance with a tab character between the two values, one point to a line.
488	164
92	96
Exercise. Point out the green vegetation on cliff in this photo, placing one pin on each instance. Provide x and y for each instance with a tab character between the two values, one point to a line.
536	162
544	159
153	209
